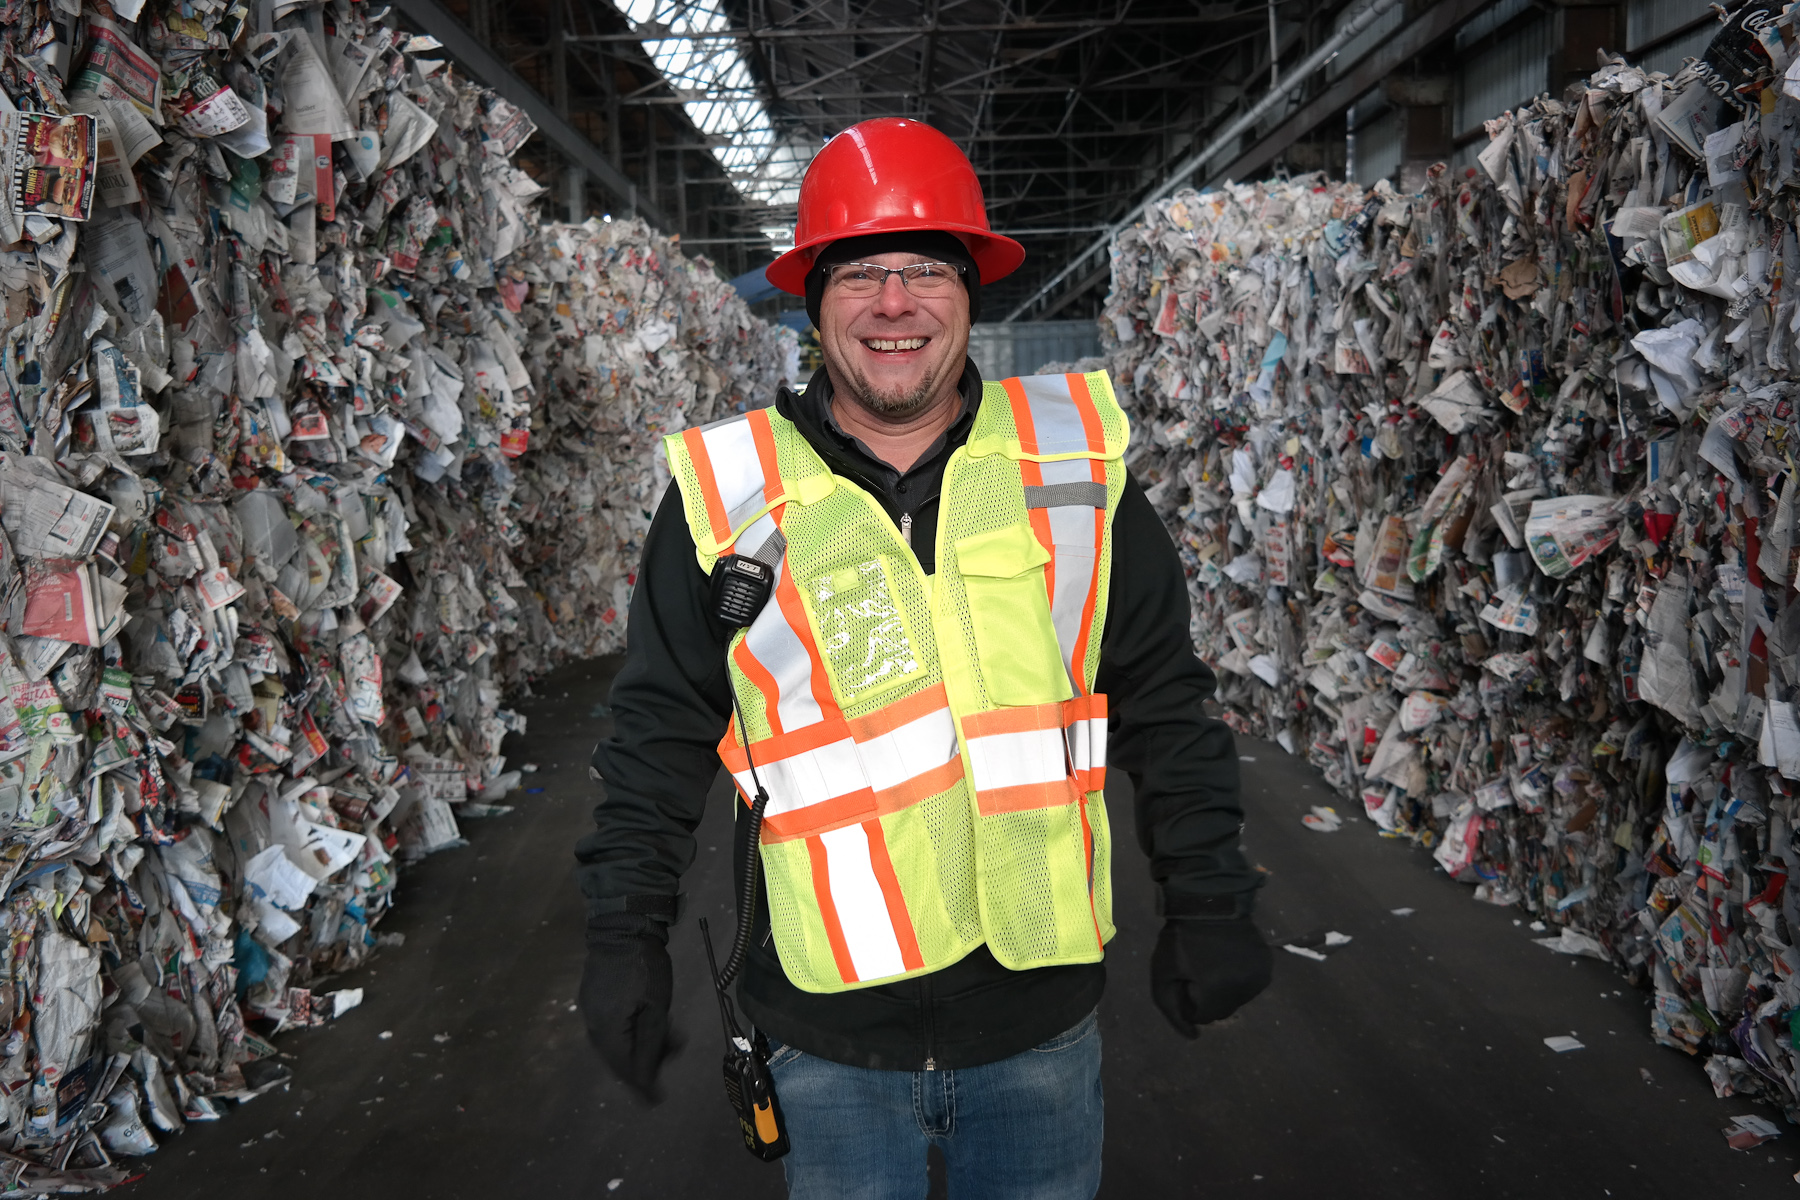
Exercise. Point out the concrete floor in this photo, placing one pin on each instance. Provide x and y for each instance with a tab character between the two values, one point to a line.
1410	1063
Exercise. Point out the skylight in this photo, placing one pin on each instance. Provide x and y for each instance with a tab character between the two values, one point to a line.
721	98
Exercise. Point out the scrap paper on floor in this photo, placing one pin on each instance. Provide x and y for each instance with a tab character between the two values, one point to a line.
1316	946
1750	1131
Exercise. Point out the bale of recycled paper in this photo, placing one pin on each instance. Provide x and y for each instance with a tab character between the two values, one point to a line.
316	443
1487	505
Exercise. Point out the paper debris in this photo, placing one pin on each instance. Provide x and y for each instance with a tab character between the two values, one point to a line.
1316	946
1749	1131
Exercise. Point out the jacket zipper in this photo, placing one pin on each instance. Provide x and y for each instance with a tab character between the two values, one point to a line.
925	1012
930	1026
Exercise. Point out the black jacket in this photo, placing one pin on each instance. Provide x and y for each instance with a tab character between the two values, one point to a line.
671	703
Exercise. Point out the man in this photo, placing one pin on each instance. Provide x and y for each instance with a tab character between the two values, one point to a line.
975	607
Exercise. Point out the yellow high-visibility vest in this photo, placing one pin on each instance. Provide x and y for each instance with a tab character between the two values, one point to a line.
932	746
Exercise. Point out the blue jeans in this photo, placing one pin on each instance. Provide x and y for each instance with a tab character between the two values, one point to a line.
1024	1128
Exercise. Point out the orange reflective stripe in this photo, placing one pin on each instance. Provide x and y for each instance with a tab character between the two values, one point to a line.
834	728
1078	656
786	745
1084	633
1090	415
788	597
761	680
1090	774
1086	708
1033	475
892	896
765	454
823	817
858	806
900	712
834	931
709	487
839	738
1026	718
920	787
1021	411
1022	797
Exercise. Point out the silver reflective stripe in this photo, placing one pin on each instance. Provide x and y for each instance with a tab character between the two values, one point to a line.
736	467
1054	415
1070	472
772	640
1074	537
1074	579
1058	495
740	513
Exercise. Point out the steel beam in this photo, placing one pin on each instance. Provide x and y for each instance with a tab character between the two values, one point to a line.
1362	19
1439	21
486	67
1216	14
799	92
871	56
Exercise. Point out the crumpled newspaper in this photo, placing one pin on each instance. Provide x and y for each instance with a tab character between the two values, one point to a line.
1487	500
316	442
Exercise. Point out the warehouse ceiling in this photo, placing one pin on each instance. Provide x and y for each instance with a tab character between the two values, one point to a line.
1070	110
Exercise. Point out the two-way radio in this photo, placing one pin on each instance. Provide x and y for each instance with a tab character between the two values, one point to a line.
740	588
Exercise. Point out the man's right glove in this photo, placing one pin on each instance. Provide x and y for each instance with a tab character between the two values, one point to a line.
1204	970
626	986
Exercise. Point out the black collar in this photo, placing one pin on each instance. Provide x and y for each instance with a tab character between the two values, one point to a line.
810	411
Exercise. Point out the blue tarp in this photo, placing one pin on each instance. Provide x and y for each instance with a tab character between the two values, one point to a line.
754	286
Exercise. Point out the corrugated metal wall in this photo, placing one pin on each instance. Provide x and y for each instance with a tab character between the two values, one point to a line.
1377	147
1495	76
1003	350
1668	58
1490	19
1354	49
1498	76
1647	20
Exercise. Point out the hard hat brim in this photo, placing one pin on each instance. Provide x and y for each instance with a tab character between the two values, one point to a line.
996	256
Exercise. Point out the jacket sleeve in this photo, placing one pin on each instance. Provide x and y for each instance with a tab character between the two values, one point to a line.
1183	764
671	703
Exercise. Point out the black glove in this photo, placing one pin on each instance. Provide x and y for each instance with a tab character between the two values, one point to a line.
1205	970
625	990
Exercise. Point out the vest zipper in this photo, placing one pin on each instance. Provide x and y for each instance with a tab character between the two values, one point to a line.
906	528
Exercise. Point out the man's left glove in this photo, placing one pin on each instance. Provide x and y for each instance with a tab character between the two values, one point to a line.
1203	970
626	987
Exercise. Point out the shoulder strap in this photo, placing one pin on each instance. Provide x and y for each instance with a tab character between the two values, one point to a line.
1048	417
730	477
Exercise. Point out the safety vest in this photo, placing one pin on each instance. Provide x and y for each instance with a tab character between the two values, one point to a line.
932	746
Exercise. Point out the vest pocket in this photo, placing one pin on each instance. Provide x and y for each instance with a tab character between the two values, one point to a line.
862	629
1009	608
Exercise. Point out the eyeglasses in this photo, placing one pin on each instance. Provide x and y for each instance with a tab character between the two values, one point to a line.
862	280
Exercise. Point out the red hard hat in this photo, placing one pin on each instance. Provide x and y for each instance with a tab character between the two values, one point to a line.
891	175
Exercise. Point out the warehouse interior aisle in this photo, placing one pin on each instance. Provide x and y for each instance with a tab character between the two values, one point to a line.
1410	1062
